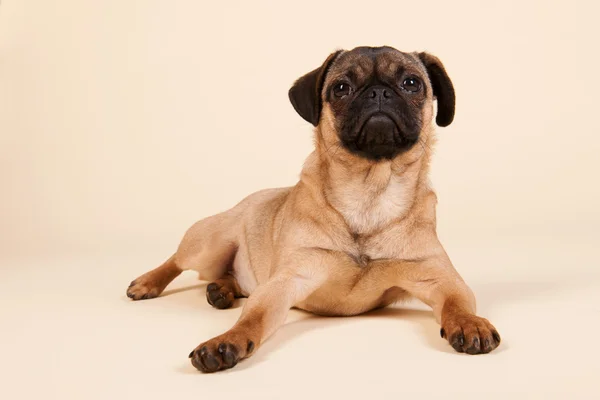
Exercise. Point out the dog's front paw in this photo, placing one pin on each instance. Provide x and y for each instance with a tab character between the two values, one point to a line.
222	352
468	333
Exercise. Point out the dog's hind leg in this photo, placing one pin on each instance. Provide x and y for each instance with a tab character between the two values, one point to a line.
152	283
208	247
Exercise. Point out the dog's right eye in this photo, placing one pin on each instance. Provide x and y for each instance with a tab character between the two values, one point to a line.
341	89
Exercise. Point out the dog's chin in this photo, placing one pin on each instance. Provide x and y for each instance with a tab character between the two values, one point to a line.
373	153
378	139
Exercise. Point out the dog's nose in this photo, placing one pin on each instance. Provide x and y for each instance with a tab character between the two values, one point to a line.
379	93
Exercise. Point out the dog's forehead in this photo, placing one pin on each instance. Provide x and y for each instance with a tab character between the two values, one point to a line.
362	62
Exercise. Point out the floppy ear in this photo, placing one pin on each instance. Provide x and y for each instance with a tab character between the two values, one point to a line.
305	95
442	88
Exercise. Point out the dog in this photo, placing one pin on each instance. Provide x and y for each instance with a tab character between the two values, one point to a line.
356	233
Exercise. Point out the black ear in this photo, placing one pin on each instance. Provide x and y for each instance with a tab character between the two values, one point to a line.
442	88
305	95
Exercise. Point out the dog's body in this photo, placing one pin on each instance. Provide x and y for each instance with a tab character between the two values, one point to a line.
358	230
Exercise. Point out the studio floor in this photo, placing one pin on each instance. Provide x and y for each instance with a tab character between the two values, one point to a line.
69	332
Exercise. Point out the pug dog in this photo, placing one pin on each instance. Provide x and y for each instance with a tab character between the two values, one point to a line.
356	233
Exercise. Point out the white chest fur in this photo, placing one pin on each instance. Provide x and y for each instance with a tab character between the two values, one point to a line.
374	199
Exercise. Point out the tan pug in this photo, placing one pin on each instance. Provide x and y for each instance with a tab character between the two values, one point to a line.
357	232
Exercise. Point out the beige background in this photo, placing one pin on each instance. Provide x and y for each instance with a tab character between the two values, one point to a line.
122	122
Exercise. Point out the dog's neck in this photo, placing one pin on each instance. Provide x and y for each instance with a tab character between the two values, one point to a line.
369	195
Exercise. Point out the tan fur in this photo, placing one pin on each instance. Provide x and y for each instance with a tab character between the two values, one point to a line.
152	283
352	235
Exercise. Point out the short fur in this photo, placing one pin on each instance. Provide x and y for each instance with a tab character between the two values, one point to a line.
357	232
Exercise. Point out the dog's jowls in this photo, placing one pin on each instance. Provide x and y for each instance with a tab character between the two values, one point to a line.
357	232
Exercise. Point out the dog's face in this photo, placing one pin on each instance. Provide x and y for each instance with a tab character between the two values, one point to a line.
378	99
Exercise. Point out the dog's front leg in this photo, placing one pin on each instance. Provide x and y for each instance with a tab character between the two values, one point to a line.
264	312
436	283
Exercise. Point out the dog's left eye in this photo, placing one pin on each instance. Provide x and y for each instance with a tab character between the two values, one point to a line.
341	89
411	85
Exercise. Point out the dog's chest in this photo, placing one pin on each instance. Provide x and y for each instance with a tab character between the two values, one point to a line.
367	207
359	280
366	249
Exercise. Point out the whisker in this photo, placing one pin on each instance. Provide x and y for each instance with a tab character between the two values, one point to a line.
338	144
396	165
422	146
426	145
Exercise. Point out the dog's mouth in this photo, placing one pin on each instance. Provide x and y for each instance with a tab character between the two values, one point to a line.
379	128
378	137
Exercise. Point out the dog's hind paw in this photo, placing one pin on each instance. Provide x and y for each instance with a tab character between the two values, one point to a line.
219	296
142	289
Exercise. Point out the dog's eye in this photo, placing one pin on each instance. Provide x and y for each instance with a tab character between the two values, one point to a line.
341	89
411	85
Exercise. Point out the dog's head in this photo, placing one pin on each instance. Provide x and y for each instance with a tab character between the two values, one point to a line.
377	100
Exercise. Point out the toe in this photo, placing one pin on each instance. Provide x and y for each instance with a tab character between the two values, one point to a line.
250	347
229	354
473	346
487	345
487	340
197	361
211	363
212	287
496	336
457	341
204	360
222	302
472	341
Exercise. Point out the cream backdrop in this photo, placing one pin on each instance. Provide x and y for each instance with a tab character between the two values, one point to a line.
123	122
